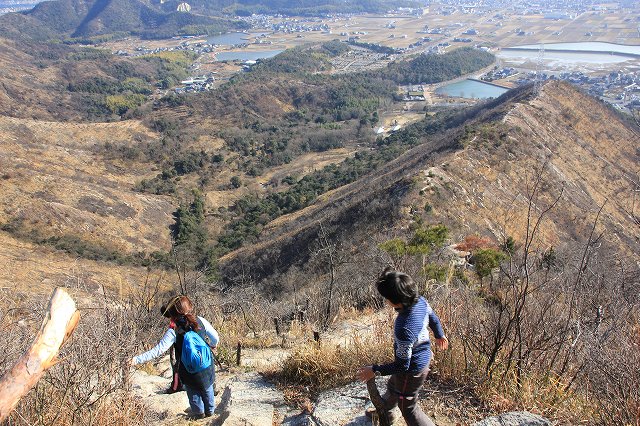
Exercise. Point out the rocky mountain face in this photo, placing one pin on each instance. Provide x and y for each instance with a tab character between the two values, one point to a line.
583	154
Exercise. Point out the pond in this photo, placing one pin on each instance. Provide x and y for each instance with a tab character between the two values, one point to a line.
471	89
564	59
589	46
230	39
246	56
576	56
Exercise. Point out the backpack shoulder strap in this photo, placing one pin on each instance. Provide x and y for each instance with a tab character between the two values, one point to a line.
202	332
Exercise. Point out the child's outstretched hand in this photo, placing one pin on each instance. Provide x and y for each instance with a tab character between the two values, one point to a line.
442	344
366	373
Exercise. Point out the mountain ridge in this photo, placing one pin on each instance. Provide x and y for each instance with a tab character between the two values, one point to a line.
496	204
82	20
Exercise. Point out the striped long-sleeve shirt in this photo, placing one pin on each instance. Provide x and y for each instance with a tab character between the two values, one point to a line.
412	346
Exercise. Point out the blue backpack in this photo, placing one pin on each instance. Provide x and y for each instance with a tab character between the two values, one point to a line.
196	353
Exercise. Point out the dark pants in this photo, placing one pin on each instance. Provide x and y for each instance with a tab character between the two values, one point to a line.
176	384
402	390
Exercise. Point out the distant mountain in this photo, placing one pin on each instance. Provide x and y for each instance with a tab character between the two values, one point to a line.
83	19
64	19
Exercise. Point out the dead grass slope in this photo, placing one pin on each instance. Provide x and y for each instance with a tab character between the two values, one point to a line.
30	272
55	183
586	153
29	82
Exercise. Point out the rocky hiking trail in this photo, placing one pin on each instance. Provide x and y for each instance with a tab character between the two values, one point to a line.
244	397
247	399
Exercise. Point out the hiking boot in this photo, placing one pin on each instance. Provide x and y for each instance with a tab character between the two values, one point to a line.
371	412
197	416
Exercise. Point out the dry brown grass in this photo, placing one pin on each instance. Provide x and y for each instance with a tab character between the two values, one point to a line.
56	186
321	366
556	359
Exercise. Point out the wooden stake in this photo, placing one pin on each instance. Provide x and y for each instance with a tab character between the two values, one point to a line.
57	326
276	322
378	402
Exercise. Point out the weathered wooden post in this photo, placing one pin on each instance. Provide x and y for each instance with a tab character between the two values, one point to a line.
58	324
381	412
239	354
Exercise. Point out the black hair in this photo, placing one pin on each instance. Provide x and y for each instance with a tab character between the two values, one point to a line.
397	287
164	311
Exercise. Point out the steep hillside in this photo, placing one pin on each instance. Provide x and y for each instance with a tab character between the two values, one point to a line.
58	189
476	178
53	81
584	150
25	88
31	272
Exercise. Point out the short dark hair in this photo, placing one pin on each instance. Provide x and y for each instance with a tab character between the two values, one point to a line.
397	287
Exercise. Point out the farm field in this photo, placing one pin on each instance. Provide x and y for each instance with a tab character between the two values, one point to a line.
494	29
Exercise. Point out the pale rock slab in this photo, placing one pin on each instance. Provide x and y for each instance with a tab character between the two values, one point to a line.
160	405
345	406
514	418
249	400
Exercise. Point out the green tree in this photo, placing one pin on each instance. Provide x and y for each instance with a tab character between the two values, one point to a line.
189	222
236	182
422	244
509	245
425	240
486	260
435	271
194	255
396	248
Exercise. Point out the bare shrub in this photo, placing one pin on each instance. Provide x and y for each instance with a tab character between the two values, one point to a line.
90	385
613	355
557	335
